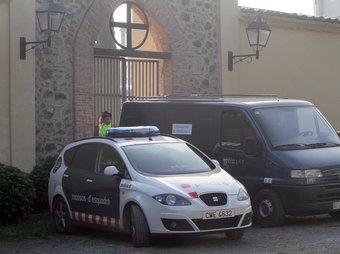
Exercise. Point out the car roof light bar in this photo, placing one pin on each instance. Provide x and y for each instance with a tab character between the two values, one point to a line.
133	131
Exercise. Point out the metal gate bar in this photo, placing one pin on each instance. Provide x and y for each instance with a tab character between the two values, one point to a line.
118	79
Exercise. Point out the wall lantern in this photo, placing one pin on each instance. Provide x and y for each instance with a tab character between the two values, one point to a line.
50	16
258	33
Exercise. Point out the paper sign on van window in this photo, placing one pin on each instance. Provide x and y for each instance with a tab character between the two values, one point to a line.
181	129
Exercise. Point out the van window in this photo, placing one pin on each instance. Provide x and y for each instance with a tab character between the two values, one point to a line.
295	127
235	129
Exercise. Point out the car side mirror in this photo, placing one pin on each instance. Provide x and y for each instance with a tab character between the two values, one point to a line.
111	171
252	146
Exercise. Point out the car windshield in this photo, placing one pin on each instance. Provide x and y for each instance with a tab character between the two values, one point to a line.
296	127
167	159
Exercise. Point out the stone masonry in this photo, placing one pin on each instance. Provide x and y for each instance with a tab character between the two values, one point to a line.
64	72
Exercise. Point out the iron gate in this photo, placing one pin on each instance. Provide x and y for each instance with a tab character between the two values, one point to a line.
118	79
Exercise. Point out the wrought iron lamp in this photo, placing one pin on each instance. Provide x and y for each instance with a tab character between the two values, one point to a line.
50	16
258	33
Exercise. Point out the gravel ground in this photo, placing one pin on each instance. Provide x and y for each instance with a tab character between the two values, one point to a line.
315	234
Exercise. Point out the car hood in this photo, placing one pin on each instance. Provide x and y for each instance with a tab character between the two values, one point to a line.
327	158
215	181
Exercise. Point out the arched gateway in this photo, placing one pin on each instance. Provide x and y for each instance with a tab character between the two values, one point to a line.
121	52
123	70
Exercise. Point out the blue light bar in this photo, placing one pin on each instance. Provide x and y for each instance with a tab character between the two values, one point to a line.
133	131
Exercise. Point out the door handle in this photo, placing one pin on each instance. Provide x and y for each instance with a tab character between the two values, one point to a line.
65	175
89	180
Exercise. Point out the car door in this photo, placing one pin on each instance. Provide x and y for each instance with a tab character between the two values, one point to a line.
77	178
235	130
93	196
104	197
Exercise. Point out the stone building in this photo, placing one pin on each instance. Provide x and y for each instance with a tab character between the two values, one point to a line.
57	93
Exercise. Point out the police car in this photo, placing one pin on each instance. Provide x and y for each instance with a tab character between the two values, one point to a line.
140	182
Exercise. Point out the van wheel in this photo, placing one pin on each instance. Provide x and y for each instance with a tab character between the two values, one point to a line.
139	228
268	209
61	217
235	234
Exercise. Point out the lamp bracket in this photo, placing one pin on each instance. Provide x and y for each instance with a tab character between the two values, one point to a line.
244	57
24	43
240	58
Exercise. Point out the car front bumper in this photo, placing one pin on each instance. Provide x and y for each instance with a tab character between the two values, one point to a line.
189	219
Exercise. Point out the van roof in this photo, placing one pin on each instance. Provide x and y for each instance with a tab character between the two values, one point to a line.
252	101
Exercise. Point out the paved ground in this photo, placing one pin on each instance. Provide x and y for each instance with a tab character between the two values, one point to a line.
317	234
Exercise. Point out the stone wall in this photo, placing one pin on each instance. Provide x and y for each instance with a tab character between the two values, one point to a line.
54	82
198	21
64	78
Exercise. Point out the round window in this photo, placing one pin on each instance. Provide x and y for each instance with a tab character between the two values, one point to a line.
129	26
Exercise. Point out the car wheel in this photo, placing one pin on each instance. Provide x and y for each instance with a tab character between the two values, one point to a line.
61	217
268	209
335	214
139	228
235	234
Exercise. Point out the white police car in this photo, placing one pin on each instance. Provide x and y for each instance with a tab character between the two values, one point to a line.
137	181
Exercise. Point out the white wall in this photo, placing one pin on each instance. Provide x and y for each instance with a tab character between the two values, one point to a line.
229	27
327	8
22	85
4	83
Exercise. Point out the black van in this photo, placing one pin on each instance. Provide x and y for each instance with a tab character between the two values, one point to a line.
284	151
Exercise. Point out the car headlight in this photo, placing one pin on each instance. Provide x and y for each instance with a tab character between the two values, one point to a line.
309	174
242	195
172	200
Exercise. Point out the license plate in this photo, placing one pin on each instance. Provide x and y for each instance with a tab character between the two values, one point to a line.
218	214
336	205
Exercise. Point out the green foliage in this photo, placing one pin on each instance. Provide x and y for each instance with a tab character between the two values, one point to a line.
16	193
39	177
41	228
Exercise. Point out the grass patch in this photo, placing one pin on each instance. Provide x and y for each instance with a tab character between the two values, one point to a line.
29	228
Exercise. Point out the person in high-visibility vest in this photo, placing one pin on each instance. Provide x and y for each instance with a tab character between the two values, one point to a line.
104	123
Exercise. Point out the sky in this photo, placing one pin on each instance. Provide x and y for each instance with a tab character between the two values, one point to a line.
290	6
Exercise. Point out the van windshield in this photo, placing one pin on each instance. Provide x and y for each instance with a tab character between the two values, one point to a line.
296	127
167	159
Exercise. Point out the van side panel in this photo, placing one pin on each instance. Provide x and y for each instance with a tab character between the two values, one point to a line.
199	122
